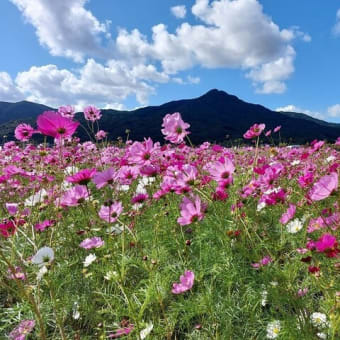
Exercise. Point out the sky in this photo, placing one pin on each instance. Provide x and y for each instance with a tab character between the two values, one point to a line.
123	54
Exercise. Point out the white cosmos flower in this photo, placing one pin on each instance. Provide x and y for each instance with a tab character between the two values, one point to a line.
330	159
115	229
273	329
89	259
294	226
44	256
42	271
296	162
146	331
36	198
260	206
71	170
319	320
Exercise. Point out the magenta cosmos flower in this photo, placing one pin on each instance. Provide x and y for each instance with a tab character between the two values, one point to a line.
74	196
174	128
92	113
82	177
108	176
24	132
89	243
324	187
22	330
52	124
186	283
328	244
191	210
254	131
288	215
110	214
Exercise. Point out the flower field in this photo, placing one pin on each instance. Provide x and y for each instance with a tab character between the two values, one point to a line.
142	240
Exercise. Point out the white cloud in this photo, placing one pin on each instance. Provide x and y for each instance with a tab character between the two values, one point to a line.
334	111
93	83
65	27
293	108
232	34
179	11
336	27
8	90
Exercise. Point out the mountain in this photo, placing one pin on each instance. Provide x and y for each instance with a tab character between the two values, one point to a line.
216	116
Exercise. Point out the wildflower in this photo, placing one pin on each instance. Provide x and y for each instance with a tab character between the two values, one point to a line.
18	274
186	283
74	196
12	208
92	113
327	243
273	329
43	225
67	111
121	332
302	292
89	243
110	214
24	132
222	169
101	134
263	262
294	226
101	179
7	228
278	128
42	271
319	320
43	256
52	124
324	187
254	131
36	198
191	210
289	214
82	177
174	128
89	259
22	330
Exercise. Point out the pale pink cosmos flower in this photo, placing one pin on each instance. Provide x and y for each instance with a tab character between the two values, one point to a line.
288	215
191	210
101	134
278	128
74	196
221	169
121	332
111	213
67	111
254	131
18	274
324	187
302	292
92	114
24	132
186	283
108	176
174	128
337	142
89	243
52	124
22	330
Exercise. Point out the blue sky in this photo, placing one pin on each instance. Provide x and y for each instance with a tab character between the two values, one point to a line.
130	53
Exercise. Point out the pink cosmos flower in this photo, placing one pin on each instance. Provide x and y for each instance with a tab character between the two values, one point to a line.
22	330
186	283
52	124
191	210
111	213
89	243
264	262
82	177
222	169
18	274
74	196
101	179
254	131
24	132
337	142
268	133
67	111
174	128
121	332
302	292
101	134
43	225
12	208
92	113
327	243
288	215
278	128
324	187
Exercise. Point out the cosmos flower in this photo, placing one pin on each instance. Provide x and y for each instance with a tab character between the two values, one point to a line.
111	213
319	320
89	243
67	111
192	210
254	131
91	113
22	330
52	124
289	214
74	196
294	226
44	255
174	128
273	329
82	177
101	179
89	259
186	283
24	132
324	187
101	134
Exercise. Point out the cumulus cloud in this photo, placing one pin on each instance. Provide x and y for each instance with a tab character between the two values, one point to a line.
8	90
232	34
65	27
336	27
93	83
334	111
293	108
179	11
